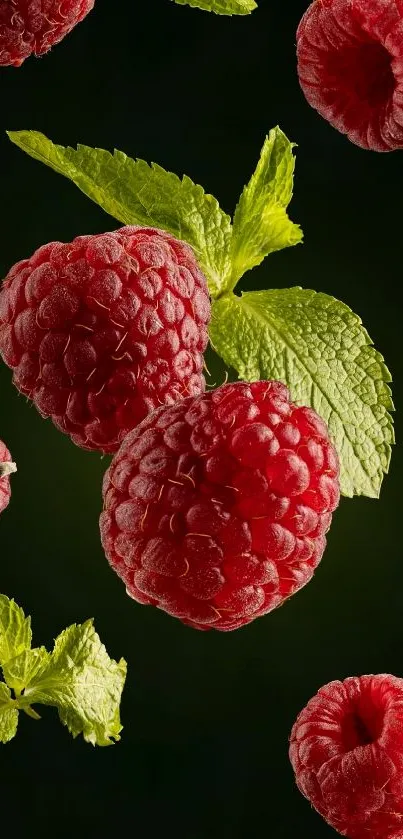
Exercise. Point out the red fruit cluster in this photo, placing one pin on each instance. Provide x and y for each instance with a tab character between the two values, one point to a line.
101	331
216	509
350	66
33	26
347	754
6	468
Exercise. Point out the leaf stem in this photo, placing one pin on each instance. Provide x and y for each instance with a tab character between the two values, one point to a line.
30	712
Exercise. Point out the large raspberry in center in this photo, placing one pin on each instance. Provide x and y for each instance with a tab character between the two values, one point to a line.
216	509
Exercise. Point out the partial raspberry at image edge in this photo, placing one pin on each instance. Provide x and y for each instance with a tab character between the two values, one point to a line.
26	31
349	68
7	467
216	509
346	749
103	330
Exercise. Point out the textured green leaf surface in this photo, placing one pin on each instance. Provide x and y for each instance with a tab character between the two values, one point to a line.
261	224
15	630
222	7
21	670
8	715
319	348
136	193
84	683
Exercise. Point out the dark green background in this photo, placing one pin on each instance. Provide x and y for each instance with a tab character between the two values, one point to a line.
206	715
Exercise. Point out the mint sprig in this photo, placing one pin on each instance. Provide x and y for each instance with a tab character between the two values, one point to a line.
78	678
311	341
222	7
261	224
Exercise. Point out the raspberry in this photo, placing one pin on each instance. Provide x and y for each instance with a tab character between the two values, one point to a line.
347	754
6	468
216	509
34	26
350	67
103	330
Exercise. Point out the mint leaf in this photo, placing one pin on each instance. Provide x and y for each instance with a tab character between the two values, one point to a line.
136	193
320	349
261	223
78	677
83	683
222	7
8	715
21	670
15	630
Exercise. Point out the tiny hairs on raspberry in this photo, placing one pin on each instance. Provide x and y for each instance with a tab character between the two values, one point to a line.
32	27
216	509
350	60
346	749
101	331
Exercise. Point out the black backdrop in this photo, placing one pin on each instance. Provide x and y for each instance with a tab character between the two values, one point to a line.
206	715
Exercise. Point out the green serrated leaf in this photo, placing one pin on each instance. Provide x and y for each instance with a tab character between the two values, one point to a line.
15	630
8	715
261	224
21	670
136	193
319	348
222	7
83	683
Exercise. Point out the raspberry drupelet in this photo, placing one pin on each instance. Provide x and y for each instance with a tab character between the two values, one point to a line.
6	469
350	67
347	754
34	26
101	331
216	509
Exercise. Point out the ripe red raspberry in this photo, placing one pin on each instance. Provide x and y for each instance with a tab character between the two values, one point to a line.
34	26
350	67
6	468
347	754
103	330
216	509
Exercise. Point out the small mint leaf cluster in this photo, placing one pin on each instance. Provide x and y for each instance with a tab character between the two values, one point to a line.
77	677
222	7
312	342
